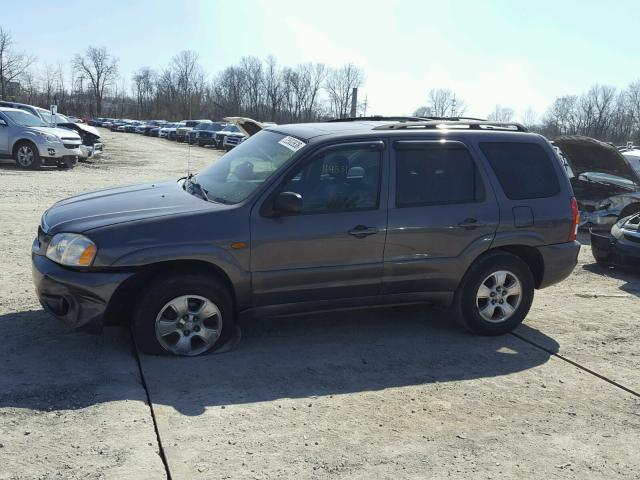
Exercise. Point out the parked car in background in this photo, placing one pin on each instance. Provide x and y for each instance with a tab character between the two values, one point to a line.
32	142
91	143
155	131
221	134
116	124
232	140
605	183
621	246
172	133
164	130
131	126
187	125
152	125
140	128
205	132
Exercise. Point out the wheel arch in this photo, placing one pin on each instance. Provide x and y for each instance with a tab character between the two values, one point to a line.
529	255
126	294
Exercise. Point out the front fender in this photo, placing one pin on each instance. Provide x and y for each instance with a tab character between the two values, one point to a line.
220	258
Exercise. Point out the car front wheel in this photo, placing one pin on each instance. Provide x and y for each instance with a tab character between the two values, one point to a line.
184	315
495	295
26	156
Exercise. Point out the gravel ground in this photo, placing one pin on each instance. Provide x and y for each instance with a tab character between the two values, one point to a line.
393	393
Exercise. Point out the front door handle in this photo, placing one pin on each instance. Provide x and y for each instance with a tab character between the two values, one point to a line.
361	231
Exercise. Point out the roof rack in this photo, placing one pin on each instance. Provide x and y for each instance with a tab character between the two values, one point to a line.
449	124
378	118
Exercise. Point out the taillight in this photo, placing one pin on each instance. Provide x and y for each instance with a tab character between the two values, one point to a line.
575	219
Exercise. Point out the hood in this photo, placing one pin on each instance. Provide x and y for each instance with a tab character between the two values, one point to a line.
248	126
59	132
586	154
82	129
124	204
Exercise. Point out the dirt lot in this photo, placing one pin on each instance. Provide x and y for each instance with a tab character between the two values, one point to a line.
395	393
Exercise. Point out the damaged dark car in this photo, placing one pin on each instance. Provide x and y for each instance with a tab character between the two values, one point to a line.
621	247
605	182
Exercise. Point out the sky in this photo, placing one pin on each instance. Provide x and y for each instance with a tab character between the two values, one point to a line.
510	53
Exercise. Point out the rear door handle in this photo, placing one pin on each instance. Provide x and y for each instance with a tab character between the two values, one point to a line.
470	223
361	231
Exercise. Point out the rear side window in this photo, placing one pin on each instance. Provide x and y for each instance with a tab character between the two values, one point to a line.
524	170
436	176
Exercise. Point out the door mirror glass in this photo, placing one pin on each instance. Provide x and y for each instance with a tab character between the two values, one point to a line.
288	203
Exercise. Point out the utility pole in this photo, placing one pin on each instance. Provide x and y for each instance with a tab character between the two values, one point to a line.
354	102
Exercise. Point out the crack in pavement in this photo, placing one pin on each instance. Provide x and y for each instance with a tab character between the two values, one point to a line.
576	364
163	457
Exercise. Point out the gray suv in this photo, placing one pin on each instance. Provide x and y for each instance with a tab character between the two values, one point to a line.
31	142
468	214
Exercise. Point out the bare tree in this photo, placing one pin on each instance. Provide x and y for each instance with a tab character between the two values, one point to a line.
501	114
340	84
189	80
12	64
529	117
100	68
144	88
443	102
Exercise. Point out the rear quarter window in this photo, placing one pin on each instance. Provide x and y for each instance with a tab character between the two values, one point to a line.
524	170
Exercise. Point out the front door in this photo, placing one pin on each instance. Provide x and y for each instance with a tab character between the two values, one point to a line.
333	249
442	215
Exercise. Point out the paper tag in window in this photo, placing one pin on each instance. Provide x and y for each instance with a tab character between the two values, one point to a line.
292	143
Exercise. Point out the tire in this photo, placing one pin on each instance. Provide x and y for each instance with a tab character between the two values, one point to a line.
184	330
24	159
470	300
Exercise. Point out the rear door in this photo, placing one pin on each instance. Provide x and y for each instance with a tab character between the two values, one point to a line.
334	248
4	136
442	214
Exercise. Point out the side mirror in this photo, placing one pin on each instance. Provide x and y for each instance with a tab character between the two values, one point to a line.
287	203
3	123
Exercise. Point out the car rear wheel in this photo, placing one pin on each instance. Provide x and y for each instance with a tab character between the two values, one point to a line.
26	156
184	315
495	295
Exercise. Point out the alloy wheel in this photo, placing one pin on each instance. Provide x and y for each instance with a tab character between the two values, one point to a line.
188	325
25	156
499	296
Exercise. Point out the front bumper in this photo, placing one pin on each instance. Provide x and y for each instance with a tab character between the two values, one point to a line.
91	151
616	251
559	260
77	298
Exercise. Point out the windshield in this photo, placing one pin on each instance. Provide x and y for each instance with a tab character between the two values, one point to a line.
24	119
230	128
238	173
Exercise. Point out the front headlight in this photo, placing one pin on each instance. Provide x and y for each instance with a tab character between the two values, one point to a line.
49	138
71	249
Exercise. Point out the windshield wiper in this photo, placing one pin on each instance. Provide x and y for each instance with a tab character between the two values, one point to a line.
194	186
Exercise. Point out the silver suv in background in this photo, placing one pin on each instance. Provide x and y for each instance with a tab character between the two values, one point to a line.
31	142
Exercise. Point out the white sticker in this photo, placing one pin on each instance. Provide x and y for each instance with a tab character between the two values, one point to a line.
292	143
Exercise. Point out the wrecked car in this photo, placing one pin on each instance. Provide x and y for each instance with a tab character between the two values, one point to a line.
621	247
605	183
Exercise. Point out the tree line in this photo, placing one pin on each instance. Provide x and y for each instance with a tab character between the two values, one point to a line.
603	112
257	88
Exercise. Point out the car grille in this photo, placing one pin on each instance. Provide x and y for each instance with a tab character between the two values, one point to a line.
233	140
70	146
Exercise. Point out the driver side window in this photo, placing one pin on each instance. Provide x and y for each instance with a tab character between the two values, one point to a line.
340	180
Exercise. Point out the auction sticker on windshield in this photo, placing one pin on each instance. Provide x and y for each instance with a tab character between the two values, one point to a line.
292	143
